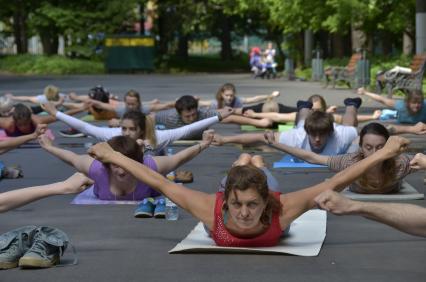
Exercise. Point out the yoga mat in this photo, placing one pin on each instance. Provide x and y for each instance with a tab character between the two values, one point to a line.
407	192
290	162
281	127
88	118
87	197
306	236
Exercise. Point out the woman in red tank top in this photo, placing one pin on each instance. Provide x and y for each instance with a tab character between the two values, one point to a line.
246	214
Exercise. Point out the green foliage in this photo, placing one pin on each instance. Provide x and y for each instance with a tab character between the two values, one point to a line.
208	64
35	64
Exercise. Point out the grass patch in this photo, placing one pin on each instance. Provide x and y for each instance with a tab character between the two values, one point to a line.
38	64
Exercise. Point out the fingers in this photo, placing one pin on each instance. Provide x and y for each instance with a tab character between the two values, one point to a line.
419	161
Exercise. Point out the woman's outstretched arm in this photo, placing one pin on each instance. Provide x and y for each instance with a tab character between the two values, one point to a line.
305	155
199	204
296	203
79	162
16	198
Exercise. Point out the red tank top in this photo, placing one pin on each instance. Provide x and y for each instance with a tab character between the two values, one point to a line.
223	237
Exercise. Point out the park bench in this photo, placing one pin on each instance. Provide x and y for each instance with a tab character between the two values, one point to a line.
346	74
405	81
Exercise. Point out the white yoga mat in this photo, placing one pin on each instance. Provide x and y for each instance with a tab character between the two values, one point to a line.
407	192
306	236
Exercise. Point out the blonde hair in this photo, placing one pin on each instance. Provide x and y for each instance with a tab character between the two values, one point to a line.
51	92
6	105
270	106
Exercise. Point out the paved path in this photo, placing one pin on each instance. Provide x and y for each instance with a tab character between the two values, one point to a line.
114	246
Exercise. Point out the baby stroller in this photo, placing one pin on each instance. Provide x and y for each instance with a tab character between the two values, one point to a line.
256	64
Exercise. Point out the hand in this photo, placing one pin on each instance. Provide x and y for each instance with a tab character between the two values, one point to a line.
331	109
40	129
249	113
73	96
218	140
114	122
361	91
45	141
275	94
269	137
225	112
102	152
418	162
50	108
377	114
208	136
395	146
334	202
419	128
77	183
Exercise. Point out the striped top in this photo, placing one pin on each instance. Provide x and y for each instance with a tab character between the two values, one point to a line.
402	169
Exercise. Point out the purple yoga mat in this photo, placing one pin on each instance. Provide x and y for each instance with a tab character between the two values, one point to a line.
87	197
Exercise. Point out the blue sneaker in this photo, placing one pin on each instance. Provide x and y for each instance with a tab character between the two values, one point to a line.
160	208
145	209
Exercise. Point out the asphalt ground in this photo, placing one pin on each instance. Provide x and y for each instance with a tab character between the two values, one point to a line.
112	245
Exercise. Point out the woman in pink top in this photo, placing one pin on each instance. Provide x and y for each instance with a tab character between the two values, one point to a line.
254	215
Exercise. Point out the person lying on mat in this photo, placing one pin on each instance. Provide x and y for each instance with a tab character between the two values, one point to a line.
13	142
315	131
410	110
318	104
137	125
19	197
404	217
226	97
187	111
385	177
246	214
114	183
50	93
23	122
132	101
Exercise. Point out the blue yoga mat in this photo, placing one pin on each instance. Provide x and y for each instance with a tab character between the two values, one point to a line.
290	162
87	197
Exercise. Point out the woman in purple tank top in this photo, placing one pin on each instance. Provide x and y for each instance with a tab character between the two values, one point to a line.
115	183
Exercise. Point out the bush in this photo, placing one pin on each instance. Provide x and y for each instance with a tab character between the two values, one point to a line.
38	64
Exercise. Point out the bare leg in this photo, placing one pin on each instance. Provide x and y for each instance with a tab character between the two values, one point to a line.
350	117
303	114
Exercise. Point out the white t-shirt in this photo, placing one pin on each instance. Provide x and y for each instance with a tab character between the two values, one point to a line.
42	98
338	143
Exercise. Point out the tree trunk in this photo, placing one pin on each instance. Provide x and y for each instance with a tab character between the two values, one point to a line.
407	44
50	43
225	39
20	31
163	47
337	45
182	50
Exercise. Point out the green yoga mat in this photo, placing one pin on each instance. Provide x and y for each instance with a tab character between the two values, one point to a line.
88	118
281	127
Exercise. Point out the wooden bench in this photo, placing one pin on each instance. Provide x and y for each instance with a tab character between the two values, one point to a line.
346	74
403	81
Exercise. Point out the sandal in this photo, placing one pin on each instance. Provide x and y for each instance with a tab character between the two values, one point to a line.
184	176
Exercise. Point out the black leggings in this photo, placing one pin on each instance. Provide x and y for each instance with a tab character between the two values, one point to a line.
282	109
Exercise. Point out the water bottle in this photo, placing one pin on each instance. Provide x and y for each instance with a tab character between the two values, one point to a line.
171	175
172	210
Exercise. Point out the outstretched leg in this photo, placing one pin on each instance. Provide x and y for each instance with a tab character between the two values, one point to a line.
351	112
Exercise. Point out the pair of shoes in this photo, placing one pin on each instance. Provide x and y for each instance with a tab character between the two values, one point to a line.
11	172
71	132
151	208
32	247
356	102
